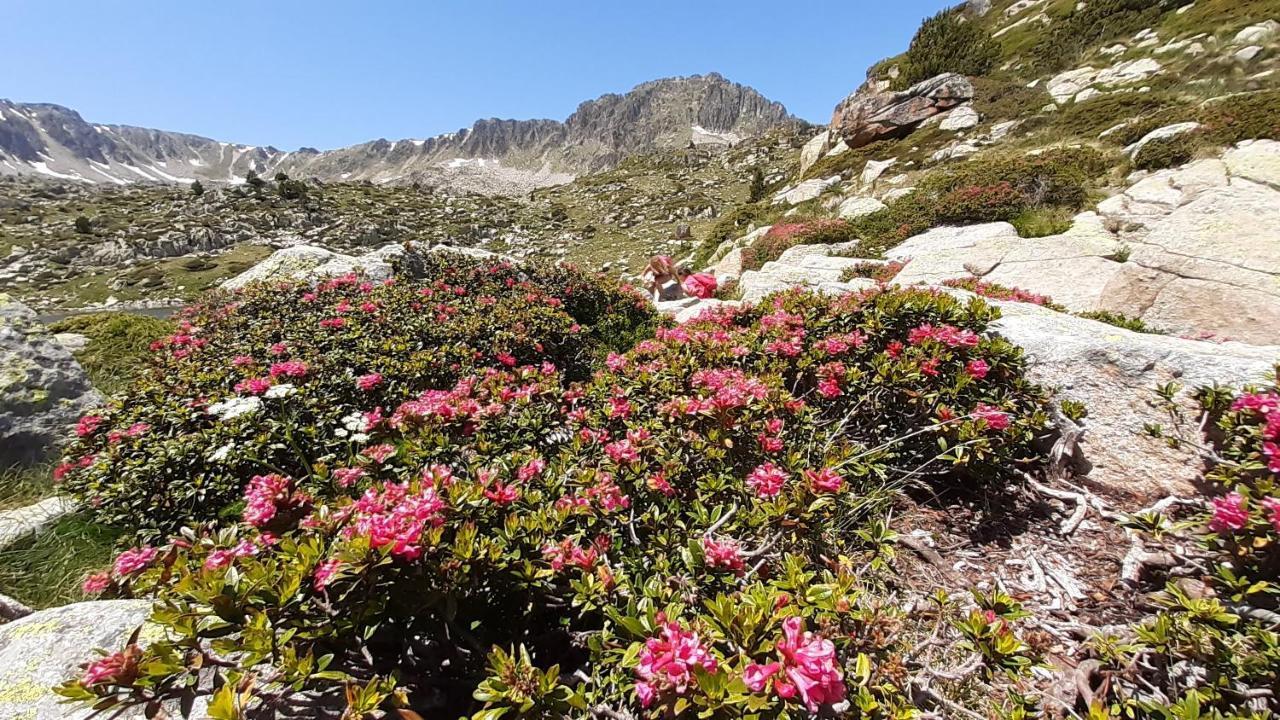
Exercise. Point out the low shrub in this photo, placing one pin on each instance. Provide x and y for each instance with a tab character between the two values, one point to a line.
947	42
1169	151
1007	99
511	547
1092	25
1218	626
783	236
981	203
1042	222
1086	120
1120	320
286	379
1243	116
997	291
983	190
881	272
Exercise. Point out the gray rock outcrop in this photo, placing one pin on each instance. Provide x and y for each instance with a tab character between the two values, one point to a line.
49	647
43	390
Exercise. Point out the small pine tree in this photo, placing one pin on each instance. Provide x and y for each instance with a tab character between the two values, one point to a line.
197	188
84	225
252	180
948	42
755	193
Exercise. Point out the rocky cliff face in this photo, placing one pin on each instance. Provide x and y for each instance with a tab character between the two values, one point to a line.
492	156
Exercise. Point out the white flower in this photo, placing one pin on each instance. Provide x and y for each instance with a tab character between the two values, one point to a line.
279	391
354	422
235	407
221	453
359	438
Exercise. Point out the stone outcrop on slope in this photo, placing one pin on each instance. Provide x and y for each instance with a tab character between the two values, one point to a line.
310	262
48	647
1193	250
870	114
1114	372
43	390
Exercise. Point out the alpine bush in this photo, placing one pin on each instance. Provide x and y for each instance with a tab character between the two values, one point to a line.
686	531
288	378
947	42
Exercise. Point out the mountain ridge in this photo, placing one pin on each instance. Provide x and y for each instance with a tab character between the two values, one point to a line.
492	156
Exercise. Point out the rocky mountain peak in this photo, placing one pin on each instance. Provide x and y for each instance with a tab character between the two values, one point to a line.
502	156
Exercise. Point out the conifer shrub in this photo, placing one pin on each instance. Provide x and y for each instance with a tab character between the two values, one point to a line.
288	378
1167	152
947	42
1094	24
515	545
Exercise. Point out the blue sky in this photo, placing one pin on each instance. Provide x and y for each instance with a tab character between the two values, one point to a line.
326	74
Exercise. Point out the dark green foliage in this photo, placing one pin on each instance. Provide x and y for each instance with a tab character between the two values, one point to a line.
292	189
1242	117
197	188
945	43
118	349
1087	119
252	180
998	188
84	225
1005	99
1120	320
448	316
755	191
1168	151
1093	24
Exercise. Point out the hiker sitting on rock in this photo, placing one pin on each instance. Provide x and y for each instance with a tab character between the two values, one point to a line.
662	279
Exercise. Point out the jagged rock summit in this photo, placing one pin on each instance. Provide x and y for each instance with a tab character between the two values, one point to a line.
492	156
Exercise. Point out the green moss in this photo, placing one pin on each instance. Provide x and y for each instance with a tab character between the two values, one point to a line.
1041	222
117	351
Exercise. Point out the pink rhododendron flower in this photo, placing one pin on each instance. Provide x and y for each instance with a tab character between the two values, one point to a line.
502	494
531	470
757	676
809	668
347	477
324	573
995	418
96	583
658	482
977	369
368	382
392	516
219	559
666	663
120	668
253	386
131	561
88	424
267	495
379	453
767	480
278	349
292	368
1261	403
242	361
1272	505
568	554
1229	514
615	362
825	480
726	554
